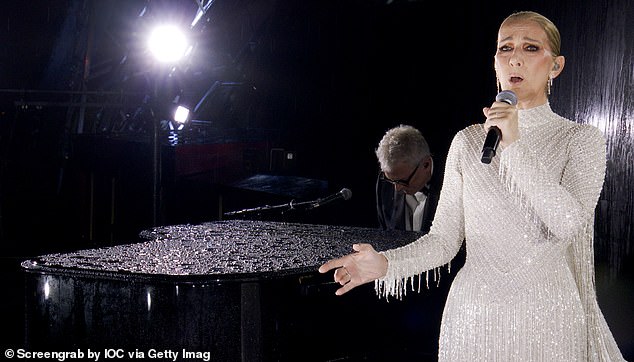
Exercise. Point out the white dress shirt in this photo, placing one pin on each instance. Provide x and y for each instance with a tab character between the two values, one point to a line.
416	205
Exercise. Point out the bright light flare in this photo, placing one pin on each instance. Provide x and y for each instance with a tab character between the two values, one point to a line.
167	43
181	114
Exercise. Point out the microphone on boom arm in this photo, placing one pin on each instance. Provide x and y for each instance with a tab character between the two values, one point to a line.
344	194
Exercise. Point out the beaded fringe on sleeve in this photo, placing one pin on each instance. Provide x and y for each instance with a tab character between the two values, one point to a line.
601	343
399	279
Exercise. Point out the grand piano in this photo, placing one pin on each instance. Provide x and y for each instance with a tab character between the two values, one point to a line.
233	290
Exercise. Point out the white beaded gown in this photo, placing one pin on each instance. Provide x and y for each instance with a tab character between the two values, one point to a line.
526	291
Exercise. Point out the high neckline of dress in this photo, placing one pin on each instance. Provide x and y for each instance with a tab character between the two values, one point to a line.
536	116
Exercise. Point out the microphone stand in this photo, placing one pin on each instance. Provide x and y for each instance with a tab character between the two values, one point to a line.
292	205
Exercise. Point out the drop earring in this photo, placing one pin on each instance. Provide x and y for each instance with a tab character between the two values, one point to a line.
549	84
497	83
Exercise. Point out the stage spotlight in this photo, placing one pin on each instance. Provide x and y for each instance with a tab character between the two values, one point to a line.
181	114
167	43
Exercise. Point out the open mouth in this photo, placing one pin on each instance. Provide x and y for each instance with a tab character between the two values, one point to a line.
516	79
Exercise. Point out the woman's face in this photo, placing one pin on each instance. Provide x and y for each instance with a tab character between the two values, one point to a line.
523	61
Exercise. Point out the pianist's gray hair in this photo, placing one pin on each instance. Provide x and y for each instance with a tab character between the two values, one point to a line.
403	143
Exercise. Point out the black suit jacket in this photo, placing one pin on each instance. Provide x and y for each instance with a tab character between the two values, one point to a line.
391	206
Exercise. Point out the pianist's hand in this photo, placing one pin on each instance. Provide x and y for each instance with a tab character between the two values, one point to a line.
364	265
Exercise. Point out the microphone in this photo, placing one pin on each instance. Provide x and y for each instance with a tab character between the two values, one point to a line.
345	194
492	140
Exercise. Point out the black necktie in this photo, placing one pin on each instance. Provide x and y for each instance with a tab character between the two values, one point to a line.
425	190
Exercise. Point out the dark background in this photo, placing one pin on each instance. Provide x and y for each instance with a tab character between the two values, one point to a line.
298	91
